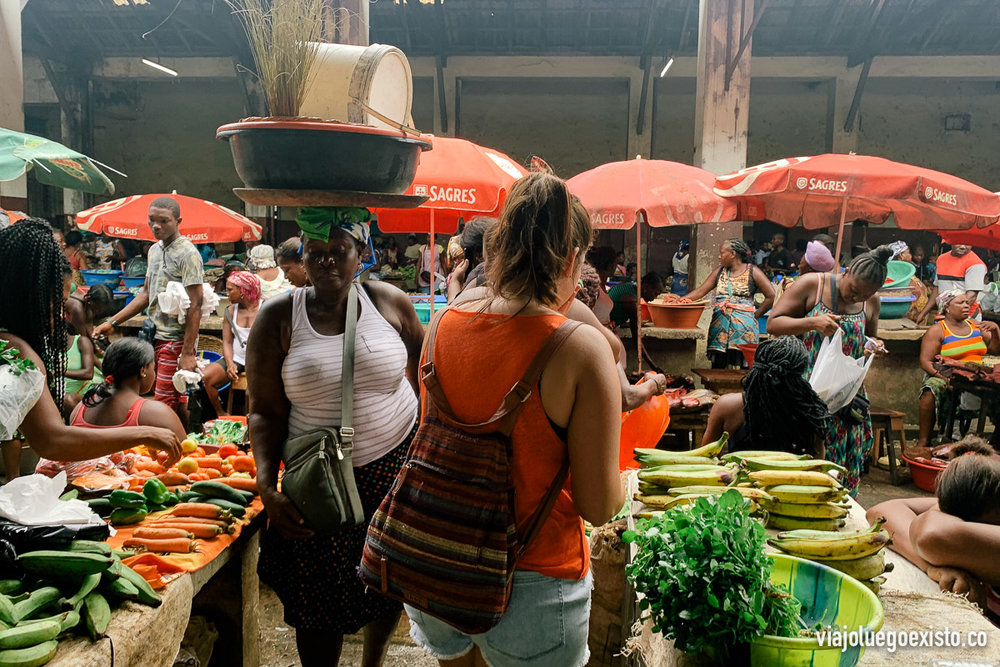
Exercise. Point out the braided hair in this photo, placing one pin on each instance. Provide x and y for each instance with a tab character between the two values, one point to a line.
742	250
32	273
872	266
780	408
125	358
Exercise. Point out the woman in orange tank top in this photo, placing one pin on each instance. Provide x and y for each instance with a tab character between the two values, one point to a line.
483	347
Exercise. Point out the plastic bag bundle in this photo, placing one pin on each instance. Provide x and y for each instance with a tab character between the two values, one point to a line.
837	377
19	391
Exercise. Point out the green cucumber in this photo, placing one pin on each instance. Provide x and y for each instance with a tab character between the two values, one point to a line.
213	489
235	509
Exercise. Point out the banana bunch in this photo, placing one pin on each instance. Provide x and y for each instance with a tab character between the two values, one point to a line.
858	554
671	479
63	591
802	492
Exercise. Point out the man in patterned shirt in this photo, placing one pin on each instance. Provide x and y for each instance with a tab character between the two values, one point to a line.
173	258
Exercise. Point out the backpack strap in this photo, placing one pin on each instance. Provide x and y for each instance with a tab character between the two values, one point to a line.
527	532
505	416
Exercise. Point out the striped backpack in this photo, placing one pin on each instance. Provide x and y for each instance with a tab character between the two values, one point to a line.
445	539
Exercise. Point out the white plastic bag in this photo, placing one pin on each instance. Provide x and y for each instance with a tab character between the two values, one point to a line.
18	394
33	500
837	377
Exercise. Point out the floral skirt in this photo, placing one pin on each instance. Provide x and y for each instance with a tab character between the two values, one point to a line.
316	579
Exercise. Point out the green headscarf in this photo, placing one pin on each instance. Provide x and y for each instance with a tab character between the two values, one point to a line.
316	222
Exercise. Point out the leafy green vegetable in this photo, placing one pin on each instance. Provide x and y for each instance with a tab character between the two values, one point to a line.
221	431
9	356
705	578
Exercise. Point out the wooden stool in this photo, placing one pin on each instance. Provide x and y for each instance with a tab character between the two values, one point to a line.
239	385
884	424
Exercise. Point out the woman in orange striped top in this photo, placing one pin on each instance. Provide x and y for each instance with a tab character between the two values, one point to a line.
958	338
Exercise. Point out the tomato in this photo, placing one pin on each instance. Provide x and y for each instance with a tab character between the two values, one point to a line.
199	452
227	450
187	465
189	446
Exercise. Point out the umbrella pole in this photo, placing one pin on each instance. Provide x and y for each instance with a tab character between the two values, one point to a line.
434	261
638	291
840	235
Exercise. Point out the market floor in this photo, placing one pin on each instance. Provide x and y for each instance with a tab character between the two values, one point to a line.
277	641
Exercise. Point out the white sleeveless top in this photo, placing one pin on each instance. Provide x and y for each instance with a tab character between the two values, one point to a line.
240	335
385	407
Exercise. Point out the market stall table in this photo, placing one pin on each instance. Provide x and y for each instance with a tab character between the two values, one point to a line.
721	380
150	636
209	325
906	590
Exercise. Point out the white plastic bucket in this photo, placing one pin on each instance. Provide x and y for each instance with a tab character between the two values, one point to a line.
378	75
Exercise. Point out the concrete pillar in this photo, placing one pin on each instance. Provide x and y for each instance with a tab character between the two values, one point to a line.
13	194
844	86
721	114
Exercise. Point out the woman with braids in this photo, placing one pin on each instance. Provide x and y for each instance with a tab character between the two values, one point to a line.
35	278
734	319
814	308
778	409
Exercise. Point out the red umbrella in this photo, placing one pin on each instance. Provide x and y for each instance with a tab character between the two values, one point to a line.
988	237
661	193
461	179
202	221
820	190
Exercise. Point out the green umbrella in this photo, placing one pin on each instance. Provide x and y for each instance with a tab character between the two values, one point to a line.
57	165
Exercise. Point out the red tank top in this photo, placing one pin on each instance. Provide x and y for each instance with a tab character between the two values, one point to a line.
478	360
131	419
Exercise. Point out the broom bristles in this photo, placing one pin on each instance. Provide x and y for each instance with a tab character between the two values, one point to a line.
282	35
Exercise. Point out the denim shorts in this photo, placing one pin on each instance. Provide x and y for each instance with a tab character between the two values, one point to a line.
547	623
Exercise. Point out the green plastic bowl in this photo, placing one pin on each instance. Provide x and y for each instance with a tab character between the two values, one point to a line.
899	274
828	597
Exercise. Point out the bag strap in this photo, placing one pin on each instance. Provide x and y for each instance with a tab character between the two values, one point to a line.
347	381
833	294
232	325
505	416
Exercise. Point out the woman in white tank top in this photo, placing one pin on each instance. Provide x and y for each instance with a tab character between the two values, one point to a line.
294	374
244	292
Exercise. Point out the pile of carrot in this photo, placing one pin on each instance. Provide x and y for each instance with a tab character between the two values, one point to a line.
179	531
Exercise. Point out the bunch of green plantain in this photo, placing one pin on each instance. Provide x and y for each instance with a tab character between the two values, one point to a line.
670	479
858	554
61	591
803	492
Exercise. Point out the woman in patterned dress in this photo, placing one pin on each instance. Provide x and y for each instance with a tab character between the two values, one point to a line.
734	320
814	307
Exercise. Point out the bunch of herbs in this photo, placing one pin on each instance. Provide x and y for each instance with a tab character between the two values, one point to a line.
705	579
